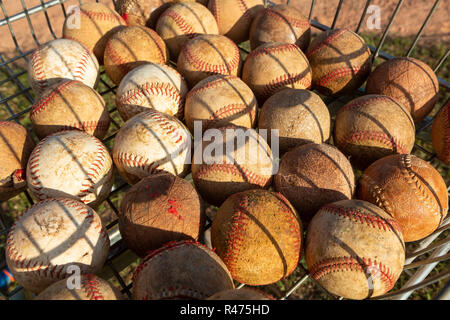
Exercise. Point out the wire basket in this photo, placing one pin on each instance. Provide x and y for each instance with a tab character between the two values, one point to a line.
427	261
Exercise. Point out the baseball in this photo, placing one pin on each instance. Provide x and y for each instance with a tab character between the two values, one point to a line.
70	105
354	249
141	12
97	23
236	165
91	288
409	81
299	115
241	294
218	101
340	62
206	55
158	209
371	127
62	59
151	142
70	164
408	188
182	22
275	66
280	23
181	270
16	145
52	237
313	175
440	134
234	17
257	247
131	47
151	85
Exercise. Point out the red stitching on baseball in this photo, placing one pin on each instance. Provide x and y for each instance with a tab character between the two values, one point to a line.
44	101
297	23
243	7
229	111
284	80
137	161
39	73
87	126
357	103
215	10
168	127
89	283
246	174
273	50
325	42
101	16
339	73
380	137
180	22
115	57
80	70
211	84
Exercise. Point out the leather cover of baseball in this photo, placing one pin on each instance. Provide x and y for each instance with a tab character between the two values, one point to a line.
354	249
158	209
151	142
409	81
275	66
371	127
62	59
280	23
241	294
141	12
151	85
257	233
91	288
70	105
131	47
52	236
313	175
219	101
408	188
181	270
340	62
206	55
299	115
70	164
440	134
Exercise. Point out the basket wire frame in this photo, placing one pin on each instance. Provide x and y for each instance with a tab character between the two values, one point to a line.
417	279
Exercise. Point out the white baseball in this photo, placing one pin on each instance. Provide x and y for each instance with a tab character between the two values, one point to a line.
154	86
151	142
52	236
62	59
70	164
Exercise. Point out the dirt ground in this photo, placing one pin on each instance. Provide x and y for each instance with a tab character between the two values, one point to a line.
408	22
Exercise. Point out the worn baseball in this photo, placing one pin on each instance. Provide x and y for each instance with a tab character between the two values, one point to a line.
313	175
241	160
158	209
234	17
275	66
52	238
16	145
206	55
219	101
299	115
91	287
151	85
354	249
409	81
409	189
371	127
96	23
151	142
62	59
181	270
241	294
182	22
280	23
141	12
70	105
131	47
70	164
257	234
440	134
340	62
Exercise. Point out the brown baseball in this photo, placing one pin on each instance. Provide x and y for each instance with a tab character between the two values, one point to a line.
313	175
280	23
257	233
371	127
354	249
409	81
275	66
410	190
158	209
241	294
299	115
340	62
131	47
440	134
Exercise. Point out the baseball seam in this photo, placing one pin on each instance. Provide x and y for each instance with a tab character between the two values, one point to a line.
284	80
90	287
101	16
247	175
273	50
377	193
356	104
244	9
80	70
131	160
211	84
296	23
184	27
35	184
115	57
44	102
325	42
381	137
339	73
39	72
229	111
87	126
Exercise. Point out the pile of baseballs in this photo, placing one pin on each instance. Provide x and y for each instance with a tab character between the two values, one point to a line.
268	196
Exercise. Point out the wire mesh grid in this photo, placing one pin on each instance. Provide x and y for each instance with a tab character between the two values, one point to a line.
436	246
